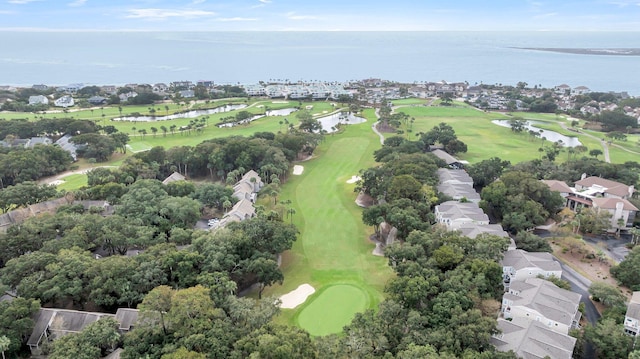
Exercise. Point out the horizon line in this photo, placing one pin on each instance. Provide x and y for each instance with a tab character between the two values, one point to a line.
36	29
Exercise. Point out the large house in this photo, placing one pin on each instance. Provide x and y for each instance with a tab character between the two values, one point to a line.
473	230
454	176
52	323
519	265
245	190
459	191
451	161
602	195
65	143
454	214
539	300
632	317
532	339
64	101
38	100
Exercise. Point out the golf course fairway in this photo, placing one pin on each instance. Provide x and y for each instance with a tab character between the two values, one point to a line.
332	309
333	252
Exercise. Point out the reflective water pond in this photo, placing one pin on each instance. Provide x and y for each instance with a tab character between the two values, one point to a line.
188	114
548	134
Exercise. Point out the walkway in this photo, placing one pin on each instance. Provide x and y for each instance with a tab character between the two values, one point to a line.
605	147
375	130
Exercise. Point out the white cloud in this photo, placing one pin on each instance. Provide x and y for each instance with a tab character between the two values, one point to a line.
541	16
77	3
265	1
159	14
230	19
293	16
196	2
21	2
624	3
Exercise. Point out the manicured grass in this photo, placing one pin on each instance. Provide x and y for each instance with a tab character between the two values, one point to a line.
333	246
332	309
409	101
72	182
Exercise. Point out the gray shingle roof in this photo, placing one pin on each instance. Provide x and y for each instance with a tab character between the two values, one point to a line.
472	230
557	304
633	309
531	339
520	259
456	191
447	175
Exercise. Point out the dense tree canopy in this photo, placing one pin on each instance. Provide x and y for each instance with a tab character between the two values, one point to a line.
520	201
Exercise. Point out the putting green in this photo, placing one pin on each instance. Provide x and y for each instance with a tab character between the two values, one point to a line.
332	309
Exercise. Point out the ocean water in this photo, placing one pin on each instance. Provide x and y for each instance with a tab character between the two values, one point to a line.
101	58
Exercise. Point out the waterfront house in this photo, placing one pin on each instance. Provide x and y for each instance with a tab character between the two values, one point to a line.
38	100
64	101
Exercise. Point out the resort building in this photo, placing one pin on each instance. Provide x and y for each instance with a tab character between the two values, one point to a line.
52	323
532	339
454	214
519	265
602	195
539	300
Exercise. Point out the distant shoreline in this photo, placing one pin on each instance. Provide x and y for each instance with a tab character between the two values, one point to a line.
586	51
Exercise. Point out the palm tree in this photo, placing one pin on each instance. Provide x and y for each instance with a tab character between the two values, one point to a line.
290	213
154	131
119	110
172	128
133	130
4	344
164	130
166	109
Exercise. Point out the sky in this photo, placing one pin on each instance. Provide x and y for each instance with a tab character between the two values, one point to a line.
325	15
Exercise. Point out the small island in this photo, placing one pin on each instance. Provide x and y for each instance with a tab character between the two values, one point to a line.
586	51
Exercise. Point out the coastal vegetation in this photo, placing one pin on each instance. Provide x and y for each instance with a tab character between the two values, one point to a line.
414	302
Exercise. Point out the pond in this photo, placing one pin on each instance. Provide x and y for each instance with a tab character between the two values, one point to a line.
329	123
188	114
281	112
548	134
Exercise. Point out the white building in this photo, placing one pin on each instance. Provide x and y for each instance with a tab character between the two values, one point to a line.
519	265
632	317
532	340
38	100
539	300
64	101
454	214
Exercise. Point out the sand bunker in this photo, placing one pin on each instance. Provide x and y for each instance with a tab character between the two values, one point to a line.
297	170
354	179
56	182
297	296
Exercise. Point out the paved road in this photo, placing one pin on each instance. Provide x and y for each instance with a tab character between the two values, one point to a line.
605	147
373	127
580	285
615	248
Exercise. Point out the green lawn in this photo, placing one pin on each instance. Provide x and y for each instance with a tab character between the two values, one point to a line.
409	101
72	182
333	246
331	309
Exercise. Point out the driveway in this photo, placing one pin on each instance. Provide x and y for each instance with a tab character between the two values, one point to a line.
580	285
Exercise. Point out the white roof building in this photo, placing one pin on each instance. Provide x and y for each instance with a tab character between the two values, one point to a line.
539	300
